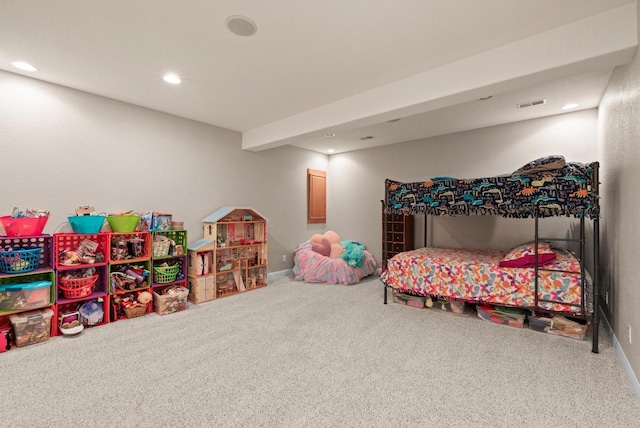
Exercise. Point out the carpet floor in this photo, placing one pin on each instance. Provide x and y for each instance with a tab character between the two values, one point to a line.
295	354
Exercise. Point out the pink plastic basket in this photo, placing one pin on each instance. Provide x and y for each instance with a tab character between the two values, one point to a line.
23	226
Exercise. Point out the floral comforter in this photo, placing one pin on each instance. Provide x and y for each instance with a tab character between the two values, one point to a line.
474	275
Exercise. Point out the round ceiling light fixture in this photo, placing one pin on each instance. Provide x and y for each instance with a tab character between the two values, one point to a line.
172	78
25	66
331	151
241	25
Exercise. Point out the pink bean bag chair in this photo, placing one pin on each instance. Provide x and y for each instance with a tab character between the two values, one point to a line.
312	265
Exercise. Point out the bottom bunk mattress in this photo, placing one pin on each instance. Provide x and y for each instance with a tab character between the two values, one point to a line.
475	276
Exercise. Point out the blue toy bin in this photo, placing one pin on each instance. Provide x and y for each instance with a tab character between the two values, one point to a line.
86	224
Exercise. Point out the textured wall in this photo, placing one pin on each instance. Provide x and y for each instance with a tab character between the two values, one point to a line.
356	179
619	132
63	148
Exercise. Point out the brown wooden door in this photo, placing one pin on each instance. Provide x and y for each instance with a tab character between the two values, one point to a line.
317	196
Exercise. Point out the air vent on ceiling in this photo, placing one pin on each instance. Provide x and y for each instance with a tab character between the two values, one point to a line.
394	120
532	103
369	137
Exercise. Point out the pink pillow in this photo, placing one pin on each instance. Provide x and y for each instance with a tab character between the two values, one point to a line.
323	247
316	239
332	237
524	256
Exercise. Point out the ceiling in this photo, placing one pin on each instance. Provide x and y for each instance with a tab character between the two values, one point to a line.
335	66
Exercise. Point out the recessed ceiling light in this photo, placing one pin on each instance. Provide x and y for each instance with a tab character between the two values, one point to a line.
172	78
569	106
330	135
24	66
331	151
241	25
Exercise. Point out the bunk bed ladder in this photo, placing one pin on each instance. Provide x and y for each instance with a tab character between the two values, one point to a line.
582	253
385	253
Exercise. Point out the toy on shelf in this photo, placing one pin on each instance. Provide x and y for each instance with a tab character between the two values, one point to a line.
91	312
86	253
71	323
128	277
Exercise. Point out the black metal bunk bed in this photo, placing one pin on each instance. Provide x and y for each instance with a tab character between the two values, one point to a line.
570	191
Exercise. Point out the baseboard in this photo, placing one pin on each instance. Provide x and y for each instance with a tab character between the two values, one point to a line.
274	276
628	370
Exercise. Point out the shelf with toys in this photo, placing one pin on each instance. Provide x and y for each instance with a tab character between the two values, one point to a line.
27	279
169	270
26	273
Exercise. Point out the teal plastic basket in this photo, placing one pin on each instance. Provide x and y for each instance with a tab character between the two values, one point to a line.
86	224
20	260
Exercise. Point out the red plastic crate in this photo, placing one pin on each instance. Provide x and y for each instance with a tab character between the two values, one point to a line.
145	248
116	313
71	241
43	241
62	308
101	286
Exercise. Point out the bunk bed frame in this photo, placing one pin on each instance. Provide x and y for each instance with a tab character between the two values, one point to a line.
536	213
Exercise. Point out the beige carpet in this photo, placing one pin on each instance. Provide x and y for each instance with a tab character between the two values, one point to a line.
295	354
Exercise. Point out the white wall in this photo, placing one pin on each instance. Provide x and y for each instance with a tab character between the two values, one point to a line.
619	118
62	148
356	179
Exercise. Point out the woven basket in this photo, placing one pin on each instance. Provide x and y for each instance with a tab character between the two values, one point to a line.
20	260
135	311
77	288
165	274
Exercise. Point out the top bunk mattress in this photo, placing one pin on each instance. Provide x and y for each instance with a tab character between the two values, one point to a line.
569	191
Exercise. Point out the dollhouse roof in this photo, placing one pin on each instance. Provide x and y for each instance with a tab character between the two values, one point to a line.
201	245
232	212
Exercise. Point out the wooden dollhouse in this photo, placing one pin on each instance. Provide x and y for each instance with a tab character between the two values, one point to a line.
232	256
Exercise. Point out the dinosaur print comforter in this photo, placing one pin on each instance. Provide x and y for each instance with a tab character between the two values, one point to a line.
567	191
475	276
